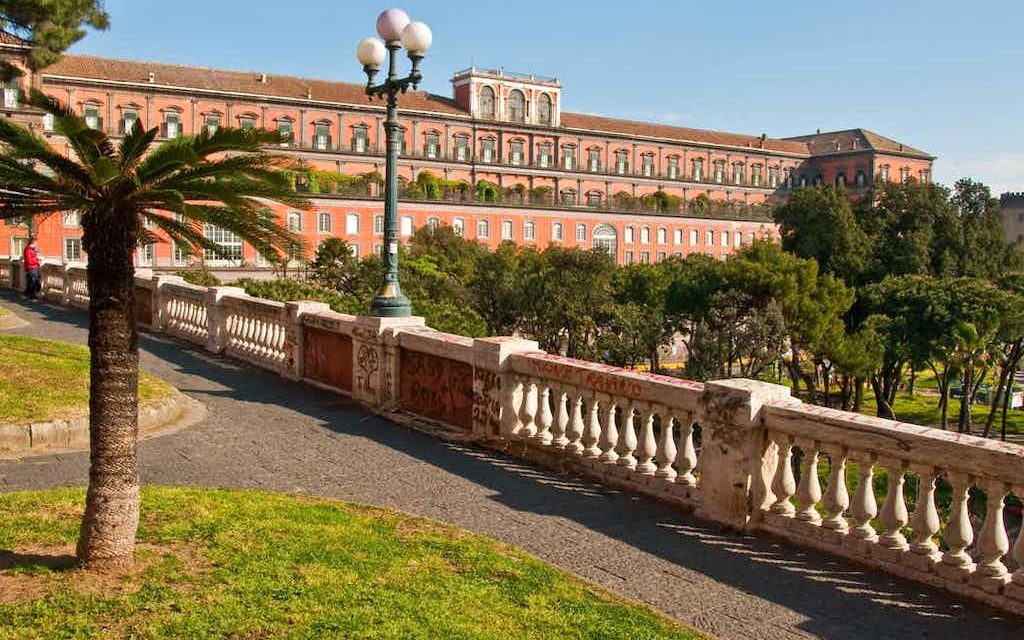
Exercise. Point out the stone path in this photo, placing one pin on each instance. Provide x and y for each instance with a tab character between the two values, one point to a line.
271	434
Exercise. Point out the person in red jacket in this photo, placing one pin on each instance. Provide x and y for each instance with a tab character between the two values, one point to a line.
33	277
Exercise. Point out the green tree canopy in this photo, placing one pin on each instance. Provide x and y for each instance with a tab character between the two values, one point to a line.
49	26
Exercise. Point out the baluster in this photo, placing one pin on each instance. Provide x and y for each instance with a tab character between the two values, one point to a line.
783	484
687	458
993	543
545	419
925	520
592	430
575	428
864	507
666	454
837	499
528	409
959	535
510	398
894	509
561	420
609	435
1018	554
647	446
627	441
809	490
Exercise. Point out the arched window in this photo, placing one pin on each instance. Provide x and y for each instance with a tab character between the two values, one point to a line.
662	235
516	106
557	232
487	102
605	238
544	109
581	232
645	235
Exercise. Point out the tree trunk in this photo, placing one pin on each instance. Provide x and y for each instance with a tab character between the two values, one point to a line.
883	408
858	394
965	401
107	538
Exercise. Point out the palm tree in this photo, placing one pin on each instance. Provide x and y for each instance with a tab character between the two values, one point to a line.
122	191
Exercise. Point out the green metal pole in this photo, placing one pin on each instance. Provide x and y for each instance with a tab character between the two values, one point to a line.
389	301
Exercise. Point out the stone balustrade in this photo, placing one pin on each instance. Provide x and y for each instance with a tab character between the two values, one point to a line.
739	452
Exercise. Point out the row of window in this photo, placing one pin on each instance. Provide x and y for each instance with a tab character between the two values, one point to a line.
517	108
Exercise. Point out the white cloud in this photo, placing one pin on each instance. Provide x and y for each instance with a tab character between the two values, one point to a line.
1001	171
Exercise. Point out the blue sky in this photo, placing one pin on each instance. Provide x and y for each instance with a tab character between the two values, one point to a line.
939	75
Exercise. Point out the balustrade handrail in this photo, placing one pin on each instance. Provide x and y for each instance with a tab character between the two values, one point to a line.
946	450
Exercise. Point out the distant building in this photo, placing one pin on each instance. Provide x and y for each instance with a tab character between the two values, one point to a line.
1012	206
515	165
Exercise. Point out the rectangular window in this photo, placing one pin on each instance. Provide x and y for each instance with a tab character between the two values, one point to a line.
128	119
172	125
629	257
556	231
568	158
773	177
354	248
629	235
581	233
719	171
11	95
506	229
677	236
516	153
405	225
756	177
73	249
737	174
72	219
645	257
352	224
146	254
709	238
92	117
725	238
694	237
698	170
661	256
360	139
648	165
645	235
461	148
294	221
180	257
594	159
323	222
529	231
378	225
487	150
322	137
621	163
284	129
673	167
212	124
544	156
459	226
432	145
48	122
662	235
737	239
247	123
483	229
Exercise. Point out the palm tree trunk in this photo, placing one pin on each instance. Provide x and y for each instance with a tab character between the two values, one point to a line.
107	538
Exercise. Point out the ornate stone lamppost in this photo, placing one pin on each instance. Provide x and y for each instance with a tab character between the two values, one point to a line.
396	31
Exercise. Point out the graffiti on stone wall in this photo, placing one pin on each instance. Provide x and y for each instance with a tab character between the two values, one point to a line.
328	357
487	401
437	388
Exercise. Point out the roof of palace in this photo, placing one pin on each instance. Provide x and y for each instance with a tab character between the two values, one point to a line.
10	38
291	87
849	140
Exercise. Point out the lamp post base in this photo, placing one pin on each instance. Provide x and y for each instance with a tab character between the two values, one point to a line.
390	307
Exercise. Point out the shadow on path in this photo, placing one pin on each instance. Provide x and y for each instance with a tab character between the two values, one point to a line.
286	436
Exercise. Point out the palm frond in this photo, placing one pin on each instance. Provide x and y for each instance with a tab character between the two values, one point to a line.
134	145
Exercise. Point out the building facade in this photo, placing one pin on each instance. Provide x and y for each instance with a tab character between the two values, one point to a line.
511	164
1011	205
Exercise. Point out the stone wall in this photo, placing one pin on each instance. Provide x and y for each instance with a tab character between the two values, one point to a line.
739	452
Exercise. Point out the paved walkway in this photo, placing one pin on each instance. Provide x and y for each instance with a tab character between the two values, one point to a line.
272	434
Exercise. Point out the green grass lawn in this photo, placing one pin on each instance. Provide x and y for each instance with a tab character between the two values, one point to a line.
924	410
43	380
246	564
